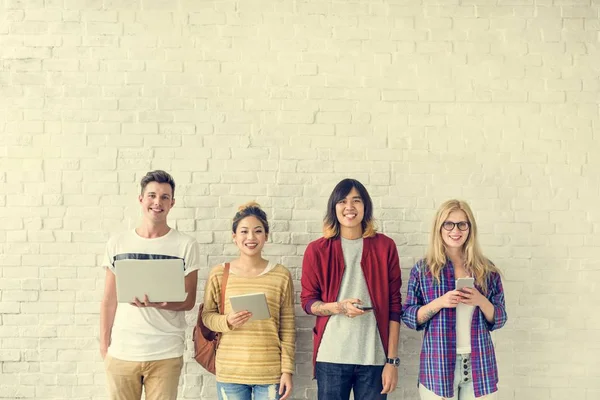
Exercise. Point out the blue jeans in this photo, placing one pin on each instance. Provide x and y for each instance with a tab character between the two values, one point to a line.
236	391
335	381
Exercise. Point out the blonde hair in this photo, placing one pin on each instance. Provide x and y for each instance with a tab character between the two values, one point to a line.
248	209
479	266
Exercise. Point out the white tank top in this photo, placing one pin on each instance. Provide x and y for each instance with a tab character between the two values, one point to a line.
464	318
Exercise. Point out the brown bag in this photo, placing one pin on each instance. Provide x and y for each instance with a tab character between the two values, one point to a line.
205	340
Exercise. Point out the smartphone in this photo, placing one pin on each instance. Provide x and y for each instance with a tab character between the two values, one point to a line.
465	282
363	307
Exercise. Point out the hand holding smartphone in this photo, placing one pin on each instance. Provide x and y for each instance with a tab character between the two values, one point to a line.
363	307
462	283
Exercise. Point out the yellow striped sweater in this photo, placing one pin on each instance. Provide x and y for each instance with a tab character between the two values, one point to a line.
258	352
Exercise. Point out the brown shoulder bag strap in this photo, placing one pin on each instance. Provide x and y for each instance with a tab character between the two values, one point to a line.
223	286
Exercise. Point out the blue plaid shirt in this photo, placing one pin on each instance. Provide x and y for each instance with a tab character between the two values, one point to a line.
438	353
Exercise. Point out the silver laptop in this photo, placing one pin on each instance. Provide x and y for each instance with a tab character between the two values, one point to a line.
161	280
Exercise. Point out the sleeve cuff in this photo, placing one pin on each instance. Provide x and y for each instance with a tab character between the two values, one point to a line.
189	270
409	317
223	324
308	306
396	316
287	370
498	319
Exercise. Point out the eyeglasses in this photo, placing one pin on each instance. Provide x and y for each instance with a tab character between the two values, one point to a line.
462	225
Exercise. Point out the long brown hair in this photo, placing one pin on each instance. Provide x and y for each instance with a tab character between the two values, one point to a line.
479	266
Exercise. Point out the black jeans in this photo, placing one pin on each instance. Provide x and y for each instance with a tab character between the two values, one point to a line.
334	381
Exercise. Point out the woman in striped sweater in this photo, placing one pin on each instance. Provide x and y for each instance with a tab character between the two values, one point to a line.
255	359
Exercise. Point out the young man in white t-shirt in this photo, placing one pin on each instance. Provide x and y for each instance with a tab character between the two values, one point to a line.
142	342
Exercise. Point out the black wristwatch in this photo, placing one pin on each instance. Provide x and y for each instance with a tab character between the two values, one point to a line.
394	361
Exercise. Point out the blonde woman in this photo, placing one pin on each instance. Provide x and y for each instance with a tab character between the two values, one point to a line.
255	359
457	356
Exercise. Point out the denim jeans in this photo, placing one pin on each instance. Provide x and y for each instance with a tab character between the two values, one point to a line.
463	383
236	391
335	381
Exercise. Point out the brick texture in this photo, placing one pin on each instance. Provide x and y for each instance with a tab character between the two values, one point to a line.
495	102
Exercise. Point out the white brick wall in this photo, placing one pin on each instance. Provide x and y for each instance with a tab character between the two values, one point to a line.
422	100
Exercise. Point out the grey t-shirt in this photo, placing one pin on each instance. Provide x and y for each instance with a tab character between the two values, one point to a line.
352	340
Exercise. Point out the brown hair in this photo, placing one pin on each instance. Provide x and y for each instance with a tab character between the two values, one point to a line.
159	176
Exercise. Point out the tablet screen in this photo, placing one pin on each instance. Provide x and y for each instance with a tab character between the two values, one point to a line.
256	303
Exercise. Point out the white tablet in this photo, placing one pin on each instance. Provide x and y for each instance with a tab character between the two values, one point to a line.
161	280
256	303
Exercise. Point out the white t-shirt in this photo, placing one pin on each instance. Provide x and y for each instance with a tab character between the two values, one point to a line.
149	334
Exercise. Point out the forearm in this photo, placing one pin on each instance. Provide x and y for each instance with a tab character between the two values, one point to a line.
427	312
211	317
324	309
487	308
394	338
288	351
287	330
107	319
215	321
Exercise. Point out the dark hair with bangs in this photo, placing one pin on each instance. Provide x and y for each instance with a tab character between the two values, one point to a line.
331	225
159	176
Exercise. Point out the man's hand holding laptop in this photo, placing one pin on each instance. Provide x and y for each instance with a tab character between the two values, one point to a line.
147	303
